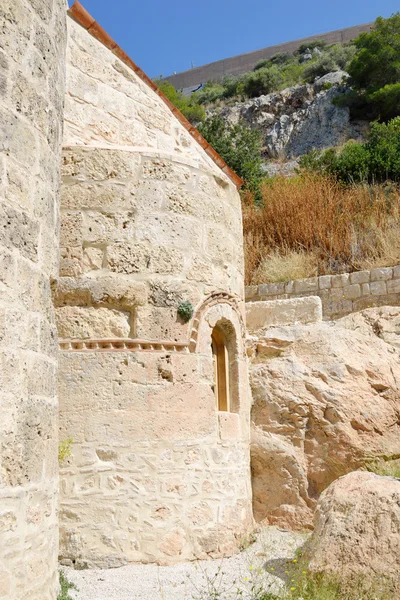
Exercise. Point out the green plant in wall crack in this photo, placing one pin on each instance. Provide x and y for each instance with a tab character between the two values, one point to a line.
185	311
64	450
65	586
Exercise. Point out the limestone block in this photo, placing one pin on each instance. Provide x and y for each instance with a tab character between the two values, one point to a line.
163	169
351	292
100	228
324	282
360	277
365	289
229	426
92	258
305	285
170	230
75	322
19	231
98	164
393	287
112	291
382	274
220	247
268	289
171	293
119	291
143	258
71	262
378	288
396	272
339	281
260	315
155	323
107	196
199	270
71	229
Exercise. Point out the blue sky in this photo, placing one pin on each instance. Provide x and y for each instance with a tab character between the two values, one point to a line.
163	36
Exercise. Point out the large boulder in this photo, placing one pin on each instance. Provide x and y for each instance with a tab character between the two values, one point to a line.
357	529
326	400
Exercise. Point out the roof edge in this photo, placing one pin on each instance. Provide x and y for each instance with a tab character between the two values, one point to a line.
83	18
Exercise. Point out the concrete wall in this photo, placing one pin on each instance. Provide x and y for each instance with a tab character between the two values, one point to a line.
236	65
148	221
340	294
32	49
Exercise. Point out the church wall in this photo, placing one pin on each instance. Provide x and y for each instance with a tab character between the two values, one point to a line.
32	79
148	222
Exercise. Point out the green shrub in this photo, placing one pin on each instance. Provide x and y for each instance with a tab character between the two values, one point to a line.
311	45
262	81
239	146
375	70
335	58
194	112
376	160
185	311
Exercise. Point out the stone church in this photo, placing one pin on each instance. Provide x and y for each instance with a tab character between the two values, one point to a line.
121	278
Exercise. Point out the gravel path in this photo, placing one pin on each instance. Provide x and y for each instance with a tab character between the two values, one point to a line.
263	562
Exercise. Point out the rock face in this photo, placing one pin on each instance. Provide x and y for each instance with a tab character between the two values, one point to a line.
299	119
357	528
326	398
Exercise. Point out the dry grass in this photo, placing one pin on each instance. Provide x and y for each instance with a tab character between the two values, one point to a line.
311	225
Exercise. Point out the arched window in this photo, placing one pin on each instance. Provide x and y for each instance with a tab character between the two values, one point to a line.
221	369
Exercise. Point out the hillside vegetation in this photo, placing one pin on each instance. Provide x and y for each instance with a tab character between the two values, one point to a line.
341	212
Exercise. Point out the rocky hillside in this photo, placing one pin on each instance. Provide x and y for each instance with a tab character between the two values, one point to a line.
300	118
326	400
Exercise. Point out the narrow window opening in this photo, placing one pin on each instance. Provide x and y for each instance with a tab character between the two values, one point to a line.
221	370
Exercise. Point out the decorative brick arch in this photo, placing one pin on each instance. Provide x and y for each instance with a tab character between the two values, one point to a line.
213	300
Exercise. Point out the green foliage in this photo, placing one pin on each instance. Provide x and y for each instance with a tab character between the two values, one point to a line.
239	146
335	58
376	160
185	311
375	70
320	44
388	468
262	81
187	105
65	586
377	62
64	450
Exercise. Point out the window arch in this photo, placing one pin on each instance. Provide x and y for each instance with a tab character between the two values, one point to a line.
221	358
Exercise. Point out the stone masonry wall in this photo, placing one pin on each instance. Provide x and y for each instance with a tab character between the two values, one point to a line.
32	74
147	221
340	294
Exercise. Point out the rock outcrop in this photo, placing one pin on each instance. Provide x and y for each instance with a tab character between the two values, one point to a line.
300	118
326	400
357	529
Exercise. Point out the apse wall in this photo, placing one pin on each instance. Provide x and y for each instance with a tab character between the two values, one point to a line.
32	81
157	472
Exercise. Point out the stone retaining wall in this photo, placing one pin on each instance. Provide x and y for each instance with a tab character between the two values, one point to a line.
340	294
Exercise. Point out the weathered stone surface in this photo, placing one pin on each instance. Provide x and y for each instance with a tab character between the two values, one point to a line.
326	398
75	322
148	221
357	529
261	315
299	119
32	65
